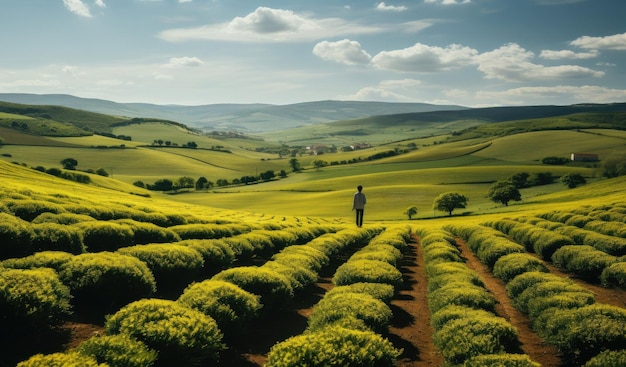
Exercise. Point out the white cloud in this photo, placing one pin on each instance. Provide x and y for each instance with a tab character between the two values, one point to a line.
384	7
400	83
375	94
614	42
422	58
77	7
567	54
100	3
448	2
270	25
566	93
344	52
513	63
180	62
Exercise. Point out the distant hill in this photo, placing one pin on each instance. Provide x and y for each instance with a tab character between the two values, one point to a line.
248	118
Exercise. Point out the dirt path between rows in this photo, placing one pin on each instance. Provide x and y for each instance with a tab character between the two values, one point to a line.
531	343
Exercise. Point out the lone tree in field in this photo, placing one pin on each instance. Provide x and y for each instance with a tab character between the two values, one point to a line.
503	192
411	211
69	163
449	201
573	180
295	165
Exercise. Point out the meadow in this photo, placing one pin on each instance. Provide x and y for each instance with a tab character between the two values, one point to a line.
274	272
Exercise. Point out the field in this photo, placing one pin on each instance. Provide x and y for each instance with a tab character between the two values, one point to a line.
276	274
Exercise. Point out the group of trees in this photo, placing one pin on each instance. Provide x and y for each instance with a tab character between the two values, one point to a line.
202	183
501	191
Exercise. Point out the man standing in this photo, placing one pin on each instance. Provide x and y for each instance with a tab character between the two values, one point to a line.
358	205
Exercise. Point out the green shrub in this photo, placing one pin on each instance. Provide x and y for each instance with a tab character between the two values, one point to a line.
614	275
615	246
178	333
380	252
461	339
299	276
523	281
383	292
584	261
370	271
453	312
563	300
43	259
107	279
274	289
587	331
172	265
608	358
616	229
461	295
230	306
334	346
314	258
105	236
547	289
511	265
148	232
468	277
29	209
374	313
118	351
15	237
501	360
493	249
204	231
72	359
62	218
216	254
31	299
441	251
578	220
57	237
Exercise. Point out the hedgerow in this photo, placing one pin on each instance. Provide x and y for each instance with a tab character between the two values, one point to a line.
71	359
145	233
617	229
334	346
15	237
57	237
118	351
207	230
299	276
31	299
181	335
614	275
608	358
43	259
501	360
462	295
62	218
107	280
29	209
509	266
332	310
371	271
274	289
105	236
172	265
216	254
383	292
229	305
583	260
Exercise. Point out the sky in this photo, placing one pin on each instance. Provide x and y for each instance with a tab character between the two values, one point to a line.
474	53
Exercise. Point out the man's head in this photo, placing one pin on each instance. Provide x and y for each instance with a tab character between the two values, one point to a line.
359	188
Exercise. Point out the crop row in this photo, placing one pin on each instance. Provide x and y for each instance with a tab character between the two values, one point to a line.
345	326
591	256
467	330
563	313
190	330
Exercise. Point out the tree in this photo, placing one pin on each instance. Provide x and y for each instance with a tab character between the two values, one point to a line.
573	180
185	182
295	165
201	183
69	163
449	201
319	163
541	178
102	172
411	211
614	166
503	192
267	175
163	185
520	180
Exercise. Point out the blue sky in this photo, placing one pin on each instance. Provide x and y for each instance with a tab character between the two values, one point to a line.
467	52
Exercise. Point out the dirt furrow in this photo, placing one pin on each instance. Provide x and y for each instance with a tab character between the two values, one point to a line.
411	328
531	343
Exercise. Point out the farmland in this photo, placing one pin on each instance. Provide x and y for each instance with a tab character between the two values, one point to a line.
275	273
